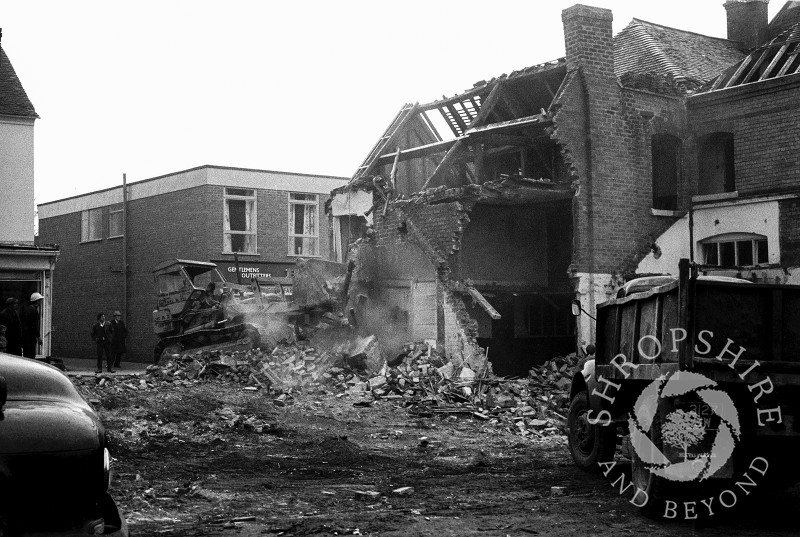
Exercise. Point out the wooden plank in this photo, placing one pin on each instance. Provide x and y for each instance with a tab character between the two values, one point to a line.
774	62
393	173
388	138
789	61
479	298
457	118
511	124
754	69
418	152
486	109
476	91
735	77
446	115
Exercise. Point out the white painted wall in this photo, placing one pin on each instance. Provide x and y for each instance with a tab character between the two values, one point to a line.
16	180
593	289
751	216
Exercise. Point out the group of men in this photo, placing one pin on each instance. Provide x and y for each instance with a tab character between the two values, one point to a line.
109	336
20	327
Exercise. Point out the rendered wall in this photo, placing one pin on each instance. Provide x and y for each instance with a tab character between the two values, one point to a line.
16	178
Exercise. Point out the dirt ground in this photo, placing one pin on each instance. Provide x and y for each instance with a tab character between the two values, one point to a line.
216	459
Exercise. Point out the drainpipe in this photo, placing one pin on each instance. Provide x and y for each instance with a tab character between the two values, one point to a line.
125	246
589	196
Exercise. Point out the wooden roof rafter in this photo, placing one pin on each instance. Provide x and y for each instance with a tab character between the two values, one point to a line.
388	139
487	107
779	57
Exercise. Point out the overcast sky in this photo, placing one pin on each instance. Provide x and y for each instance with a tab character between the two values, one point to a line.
152	87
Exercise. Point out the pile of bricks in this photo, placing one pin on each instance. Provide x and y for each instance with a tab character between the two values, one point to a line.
286	367
419	378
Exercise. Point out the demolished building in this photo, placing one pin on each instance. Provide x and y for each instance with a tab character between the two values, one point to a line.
552	183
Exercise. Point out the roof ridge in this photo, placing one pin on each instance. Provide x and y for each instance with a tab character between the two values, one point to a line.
657	52
682	31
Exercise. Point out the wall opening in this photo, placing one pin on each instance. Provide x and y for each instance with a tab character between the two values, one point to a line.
666	163
716	163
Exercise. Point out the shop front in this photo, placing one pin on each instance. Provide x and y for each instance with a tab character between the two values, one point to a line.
25	270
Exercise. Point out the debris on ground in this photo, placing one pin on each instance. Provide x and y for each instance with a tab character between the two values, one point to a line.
420	378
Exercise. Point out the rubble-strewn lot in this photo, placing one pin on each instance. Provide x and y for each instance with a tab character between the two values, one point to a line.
302	442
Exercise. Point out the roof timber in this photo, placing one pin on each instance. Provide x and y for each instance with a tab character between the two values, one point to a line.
486	109
775	59
418	152
492	133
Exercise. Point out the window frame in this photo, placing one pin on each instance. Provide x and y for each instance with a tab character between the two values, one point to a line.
86	228
662	148
293	203
114	210
734	240
251	206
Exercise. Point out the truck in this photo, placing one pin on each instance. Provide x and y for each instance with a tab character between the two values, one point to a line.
197	309
697	380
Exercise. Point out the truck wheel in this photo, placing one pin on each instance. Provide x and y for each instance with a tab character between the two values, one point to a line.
588	444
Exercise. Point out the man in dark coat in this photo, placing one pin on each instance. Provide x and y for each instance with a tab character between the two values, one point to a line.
9	318
101	335
118	335
31	326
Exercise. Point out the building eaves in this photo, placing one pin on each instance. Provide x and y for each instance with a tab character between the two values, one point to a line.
13	99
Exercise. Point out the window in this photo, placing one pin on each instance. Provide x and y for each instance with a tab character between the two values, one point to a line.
92	225
115	221
666	151
303	224
736	250
716	164
550	315
240	221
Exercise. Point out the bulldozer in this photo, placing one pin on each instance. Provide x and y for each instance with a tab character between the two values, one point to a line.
198	310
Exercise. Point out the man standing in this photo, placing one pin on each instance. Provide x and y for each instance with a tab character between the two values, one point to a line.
119	333
31	326
9	318
101	335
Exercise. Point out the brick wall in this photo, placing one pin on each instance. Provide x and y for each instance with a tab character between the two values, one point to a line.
605	132
790	232
185	224
766	132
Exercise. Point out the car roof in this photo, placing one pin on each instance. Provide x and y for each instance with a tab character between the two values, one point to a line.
28	379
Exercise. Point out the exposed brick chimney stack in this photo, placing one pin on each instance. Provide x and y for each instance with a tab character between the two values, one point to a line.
747	21
589	40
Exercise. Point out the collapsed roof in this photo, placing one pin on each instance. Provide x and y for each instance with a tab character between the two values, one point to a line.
778	58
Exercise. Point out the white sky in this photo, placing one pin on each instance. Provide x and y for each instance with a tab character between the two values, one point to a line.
153	87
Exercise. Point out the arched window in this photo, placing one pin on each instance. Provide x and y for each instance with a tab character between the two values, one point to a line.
735	250
666	157
716	164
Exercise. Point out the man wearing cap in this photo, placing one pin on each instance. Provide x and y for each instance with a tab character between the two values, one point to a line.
118	335
9	318
31	326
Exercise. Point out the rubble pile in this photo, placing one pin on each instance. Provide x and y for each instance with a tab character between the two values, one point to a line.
286	367
420	378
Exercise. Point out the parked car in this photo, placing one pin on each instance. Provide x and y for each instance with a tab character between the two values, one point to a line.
54	458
